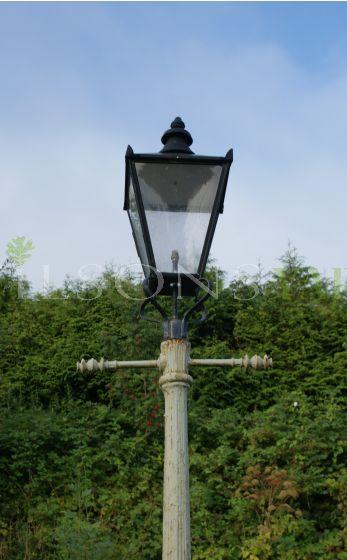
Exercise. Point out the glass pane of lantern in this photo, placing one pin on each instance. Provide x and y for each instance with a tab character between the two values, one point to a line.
137	230
178	199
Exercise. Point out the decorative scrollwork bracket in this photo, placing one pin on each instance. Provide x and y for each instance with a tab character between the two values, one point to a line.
176	327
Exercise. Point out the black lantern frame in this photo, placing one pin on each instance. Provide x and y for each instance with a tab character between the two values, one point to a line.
175	152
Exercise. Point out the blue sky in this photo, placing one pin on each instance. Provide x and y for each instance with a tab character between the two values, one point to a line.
81	81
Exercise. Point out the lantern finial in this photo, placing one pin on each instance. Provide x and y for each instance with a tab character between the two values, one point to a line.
178	123
176	139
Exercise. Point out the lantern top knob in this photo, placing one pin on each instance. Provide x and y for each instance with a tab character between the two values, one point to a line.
177	139
178	123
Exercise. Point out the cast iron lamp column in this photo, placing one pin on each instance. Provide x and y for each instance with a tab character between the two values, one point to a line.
175	383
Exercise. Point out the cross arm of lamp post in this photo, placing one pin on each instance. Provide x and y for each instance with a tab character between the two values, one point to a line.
255	362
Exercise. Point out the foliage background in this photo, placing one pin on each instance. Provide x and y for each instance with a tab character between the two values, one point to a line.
81	456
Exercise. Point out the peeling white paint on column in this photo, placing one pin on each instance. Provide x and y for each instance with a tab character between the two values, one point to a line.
175	383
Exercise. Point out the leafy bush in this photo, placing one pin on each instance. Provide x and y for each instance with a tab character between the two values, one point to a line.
81	456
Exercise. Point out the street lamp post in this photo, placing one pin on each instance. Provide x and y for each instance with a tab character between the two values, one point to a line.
173	200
